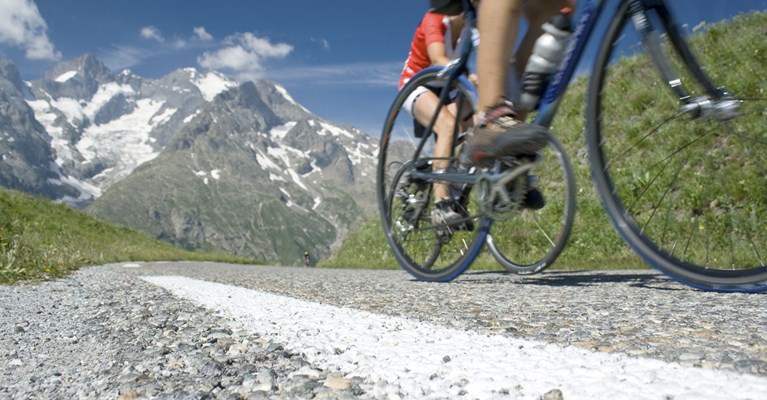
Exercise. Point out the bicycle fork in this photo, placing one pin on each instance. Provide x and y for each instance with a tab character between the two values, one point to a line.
717	103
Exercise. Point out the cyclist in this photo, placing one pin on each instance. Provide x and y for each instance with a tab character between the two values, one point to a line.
499	131
435	42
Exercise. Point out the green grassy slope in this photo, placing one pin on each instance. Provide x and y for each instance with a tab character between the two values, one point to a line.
40	240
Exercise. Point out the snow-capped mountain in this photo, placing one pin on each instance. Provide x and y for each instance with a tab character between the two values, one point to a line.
102	126
251	176
201	160
26	159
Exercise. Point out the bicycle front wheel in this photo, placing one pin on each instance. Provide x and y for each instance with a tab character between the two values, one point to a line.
689	195
424	248
530	241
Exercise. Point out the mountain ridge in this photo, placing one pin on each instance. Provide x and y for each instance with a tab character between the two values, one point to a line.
171	156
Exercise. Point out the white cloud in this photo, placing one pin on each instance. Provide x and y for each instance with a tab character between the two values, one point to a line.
153	33
244	53
150	32
22	25
366	74
201	34
120	57
323	42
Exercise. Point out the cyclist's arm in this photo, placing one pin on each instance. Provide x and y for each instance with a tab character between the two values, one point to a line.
437	56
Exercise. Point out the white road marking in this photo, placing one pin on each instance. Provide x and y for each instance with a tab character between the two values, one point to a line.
411	359
131	265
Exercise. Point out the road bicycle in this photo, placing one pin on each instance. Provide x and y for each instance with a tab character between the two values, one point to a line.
682	178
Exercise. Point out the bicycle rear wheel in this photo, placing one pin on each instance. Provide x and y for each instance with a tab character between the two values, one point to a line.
688	195
532	240
425	249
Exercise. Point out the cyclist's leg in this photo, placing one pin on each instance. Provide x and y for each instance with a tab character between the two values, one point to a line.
421	104
498	25
423	110
497	21
536	12
499	132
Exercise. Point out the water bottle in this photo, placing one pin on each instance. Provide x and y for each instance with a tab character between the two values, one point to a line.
547	52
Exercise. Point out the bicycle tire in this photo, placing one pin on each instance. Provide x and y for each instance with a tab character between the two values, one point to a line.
532	240
688	196
405	205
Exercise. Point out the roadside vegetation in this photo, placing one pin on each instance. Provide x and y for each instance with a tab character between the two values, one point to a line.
41	240
594	243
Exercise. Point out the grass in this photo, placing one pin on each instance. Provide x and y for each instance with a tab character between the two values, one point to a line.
660	184
40	240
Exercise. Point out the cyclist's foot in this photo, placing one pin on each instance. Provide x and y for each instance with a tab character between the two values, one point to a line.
449	212
501	134
444	214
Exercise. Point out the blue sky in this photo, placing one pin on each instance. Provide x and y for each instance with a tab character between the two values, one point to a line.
339	58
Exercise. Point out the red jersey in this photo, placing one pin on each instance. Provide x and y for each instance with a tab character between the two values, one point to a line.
433	28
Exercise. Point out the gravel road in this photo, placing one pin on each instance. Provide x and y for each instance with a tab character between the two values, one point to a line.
105	332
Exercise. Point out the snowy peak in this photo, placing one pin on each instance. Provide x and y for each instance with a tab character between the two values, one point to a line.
211	83
189	81
26	159
104	126
78	79
284	104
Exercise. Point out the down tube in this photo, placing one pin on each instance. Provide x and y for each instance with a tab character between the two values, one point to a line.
573	53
